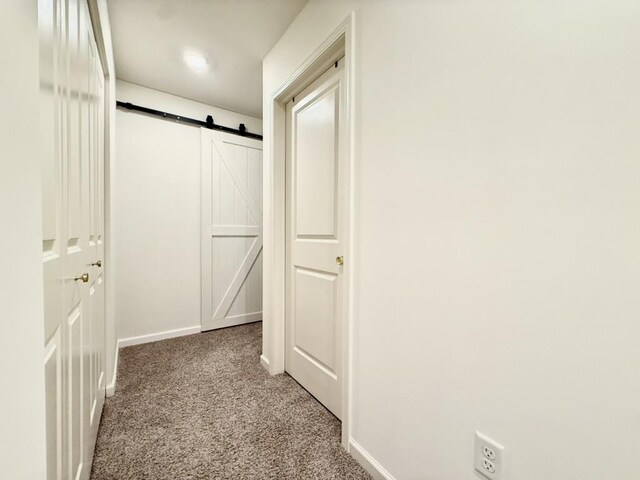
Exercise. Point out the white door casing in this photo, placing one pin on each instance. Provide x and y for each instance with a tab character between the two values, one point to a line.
231	230
94	339
316	231
72	125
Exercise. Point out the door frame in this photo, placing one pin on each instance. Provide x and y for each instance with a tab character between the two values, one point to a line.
341	42
98	12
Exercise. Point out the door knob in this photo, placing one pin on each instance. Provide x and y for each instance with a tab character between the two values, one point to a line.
97	264
340	260
84	277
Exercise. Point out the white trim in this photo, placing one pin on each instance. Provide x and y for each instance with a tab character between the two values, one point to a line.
264	361
365	459
154	337
99	14
111	386
340	42
350	314
110	337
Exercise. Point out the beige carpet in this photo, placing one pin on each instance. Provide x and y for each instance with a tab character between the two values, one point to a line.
202	407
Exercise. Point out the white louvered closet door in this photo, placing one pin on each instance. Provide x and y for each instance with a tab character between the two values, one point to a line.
231	230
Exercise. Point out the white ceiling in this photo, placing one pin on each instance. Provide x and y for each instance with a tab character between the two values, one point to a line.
150	37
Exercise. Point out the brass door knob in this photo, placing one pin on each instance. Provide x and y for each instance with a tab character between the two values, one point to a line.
340	260
84	277
97	264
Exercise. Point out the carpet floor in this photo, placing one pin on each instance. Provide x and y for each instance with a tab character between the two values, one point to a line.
202	407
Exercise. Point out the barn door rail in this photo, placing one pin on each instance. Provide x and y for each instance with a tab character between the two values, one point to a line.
208	123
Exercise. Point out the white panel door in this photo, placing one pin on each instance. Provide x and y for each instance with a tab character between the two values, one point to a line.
231	230
76	236
316	237
72	109
52	32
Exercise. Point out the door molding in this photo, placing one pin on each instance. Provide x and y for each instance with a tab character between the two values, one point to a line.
339	43
99	14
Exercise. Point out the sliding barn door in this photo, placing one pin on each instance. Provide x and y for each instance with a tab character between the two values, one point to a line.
231	230
72	112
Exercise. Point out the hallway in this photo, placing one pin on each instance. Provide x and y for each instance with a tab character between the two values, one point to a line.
202	407
320	239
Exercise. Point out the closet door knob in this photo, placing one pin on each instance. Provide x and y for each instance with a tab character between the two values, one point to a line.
97	264
84	277
340	260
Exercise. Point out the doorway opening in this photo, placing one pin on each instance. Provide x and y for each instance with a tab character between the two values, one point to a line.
333	282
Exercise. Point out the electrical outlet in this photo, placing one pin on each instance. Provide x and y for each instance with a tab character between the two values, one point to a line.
488	466
488	457
489	452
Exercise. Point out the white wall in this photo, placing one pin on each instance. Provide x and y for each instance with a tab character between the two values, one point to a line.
22	398
498	268
156	217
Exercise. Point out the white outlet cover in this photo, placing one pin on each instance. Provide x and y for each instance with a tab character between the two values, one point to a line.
487	451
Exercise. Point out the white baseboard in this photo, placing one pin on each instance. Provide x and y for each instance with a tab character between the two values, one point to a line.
154	337
264	361
363	457
111	386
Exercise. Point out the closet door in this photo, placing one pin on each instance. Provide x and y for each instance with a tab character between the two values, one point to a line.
76	236
231	230
52	31
71	85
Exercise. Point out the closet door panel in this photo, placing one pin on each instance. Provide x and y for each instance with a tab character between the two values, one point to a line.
53	69
72	106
